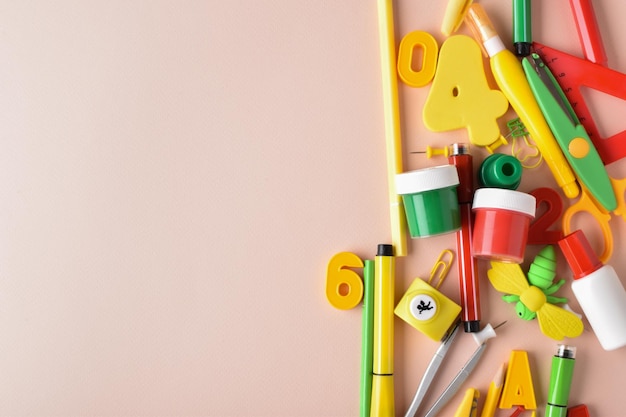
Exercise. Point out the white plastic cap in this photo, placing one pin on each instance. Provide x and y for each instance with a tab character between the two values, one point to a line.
498	198
427	179
485	334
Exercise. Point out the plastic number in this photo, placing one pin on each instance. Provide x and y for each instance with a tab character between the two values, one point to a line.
538	233
464	99
427	43
344	287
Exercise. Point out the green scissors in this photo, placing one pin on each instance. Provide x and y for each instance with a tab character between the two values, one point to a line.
600	194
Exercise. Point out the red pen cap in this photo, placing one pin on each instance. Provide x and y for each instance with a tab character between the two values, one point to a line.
578	411
579	254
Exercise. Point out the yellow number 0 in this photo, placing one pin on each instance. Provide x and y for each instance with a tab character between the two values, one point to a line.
344	287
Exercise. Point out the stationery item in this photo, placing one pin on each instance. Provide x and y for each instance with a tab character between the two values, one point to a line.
454	15
588	31
463	99
573	73
500	171
457	381
480	338
538	233
501	224
587	205
569	133
509	76
598	290
431	371
344	288
469	290
417	40
522	27
469	405
427	309
518	411
391	108
382	404
560	381
430	200
578	411
493	394
367	337
532	301
518	384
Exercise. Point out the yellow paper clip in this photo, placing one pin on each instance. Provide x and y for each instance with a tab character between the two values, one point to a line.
518	131
442	266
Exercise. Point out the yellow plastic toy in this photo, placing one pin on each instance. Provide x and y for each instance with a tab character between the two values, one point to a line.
460	96
344	287
518	384
427	309
554	322
428	45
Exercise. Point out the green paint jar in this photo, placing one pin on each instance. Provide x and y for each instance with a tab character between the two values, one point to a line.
430	200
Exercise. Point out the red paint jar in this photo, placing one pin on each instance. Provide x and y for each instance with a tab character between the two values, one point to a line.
501	224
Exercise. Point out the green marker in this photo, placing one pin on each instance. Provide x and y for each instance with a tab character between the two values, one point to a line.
367	339
522	28
560	381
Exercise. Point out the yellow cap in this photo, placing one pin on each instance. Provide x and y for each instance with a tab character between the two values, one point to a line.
455	12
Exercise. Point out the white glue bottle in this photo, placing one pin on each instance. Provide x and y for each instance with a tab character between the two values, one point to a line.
598	290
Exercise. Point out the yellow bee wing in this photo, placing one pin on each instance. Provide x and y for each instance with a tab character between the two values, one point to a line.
557	323
507	278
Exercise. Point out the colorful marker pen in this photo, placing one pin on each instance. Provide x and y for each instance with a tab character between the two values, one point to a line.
367	337
510	77
560	381
382	372
461	158
522	27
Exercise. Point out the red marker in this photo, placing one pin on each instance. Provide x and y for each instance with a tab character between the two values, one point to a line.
461	158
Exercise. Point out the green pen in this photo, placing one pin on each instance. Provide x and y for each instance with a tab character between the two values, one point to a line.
367	338
570	134
560	381
522	28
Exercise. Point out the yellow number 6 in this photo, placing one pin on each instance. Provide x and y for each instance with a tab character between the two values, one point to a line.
344	288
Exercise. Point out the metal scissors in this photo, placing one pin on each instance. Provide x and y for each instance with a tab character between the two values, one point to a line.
600	194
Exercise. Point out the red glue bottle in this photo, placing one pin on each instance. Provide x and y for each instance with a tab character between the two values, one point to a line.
598	290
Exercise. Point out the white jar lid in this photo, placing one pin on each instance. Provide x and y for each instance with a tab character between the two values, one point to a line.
427	179
499	198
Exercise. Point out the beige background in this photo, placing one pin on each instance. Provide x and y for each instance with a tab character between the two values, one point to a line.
175	176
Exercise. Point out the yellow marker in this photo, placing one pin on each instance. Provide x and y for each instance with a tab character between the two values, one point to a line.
510	77
382	379
518	385
469	405
392	123
493	395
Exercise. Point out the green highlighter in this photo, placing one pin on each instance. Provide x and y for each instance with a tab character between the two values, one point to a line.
569	132
367	337
560	381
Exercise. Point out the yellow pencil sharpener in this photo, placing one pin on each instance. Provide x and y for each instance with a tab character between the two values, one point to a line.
428	310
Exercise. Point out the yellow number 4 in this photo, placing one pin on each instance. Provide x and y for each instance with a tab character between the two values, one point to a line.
460	96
